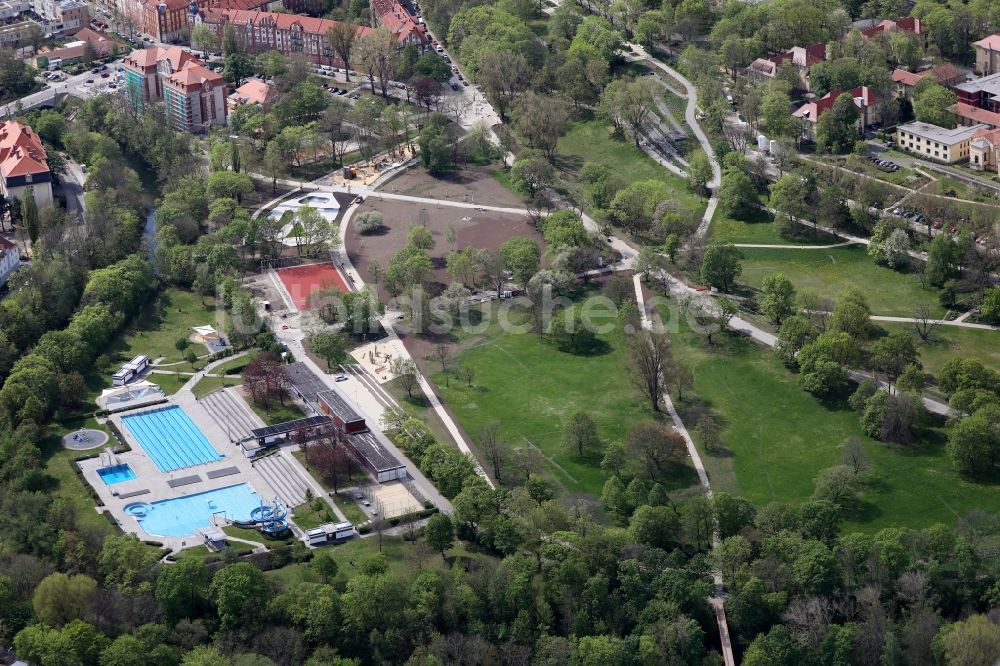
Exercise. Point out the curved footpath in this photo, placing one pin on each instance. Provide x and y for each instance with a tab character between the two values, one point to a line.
691	116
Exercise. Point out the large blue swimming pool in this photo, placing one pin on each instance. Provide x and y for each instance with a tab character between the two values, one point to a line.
181	516
171	438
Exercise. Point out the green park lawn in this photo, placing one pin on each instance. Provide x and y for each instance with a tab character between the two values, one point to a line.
777	438
829	272
405	559
760	229
531	387
590	140
231	369
167	318
277	412
947	342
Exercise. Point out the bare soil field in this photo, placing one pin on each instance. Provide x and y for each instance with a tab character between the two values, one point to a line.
472	184
486	230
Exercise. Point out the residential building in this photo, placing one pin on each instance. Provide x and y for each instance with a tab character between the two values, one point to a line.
170	20
395	17
938	143
23	165
259	32
988	55
984	151
255	92
74	51
946	74
193	95
908	24
20	34
10	260
864	99
803	58
978	101
11	9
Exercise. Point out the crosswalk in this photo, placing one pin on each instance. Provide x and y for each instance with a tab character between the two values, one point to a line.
283	478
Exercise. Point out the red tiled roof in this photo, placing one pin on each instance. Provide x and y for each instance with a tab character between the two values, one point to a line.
143	58
975	114
764	66
907	78
171	5
315	26
908	24
21	151
811	111
253	92
6	244
398	19
243	4
195	74
992	42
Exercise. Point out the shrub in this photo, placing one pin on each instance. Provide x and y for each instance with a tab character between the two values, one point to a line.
368	223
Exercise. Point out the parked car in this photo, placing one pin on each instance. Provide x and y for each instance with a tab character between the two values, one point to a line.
340	378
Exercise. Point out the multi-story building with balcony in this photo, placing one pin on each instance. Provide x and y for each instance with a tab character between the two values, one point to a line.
193	96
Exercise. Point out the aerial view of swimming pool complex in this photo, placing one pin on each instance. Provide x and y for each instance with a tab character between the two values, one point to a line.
182	516
171	439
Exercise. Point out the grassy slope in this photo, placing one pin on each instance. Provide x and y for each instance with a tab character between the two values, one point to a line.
60	464
830	271
590	140
779	437
531	388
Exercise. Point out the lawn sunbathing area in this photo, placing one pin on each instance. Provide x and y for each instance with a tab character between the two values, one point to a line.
167	318
830	271
778	437
531	387
761	230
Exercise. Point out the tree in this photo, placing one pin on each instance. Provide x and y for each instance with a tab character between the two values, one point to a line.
503	76
580	434
852	315
628	104
493	447
973	642
720	266
989	308
541	120
435	147
943	260
892	354
931	103
180	590
795	333
837	484
341	37
406	371
239	593
649	363
229	184
656	526
531	173
925	321
777	299
439	533
522	256
329	346
700	173
656	445
59	599
974	443
29	216
205	38
737	195
377	53
837	129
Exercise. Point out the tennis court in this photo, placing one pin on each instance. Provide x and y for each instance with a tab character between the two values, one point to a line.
302	281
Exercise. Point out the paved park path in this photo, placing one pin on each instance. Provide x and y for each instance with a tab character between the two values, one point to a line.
717	600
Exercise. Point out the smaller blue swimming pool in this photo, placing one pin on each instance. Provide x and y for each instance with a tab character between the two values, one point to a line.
116	474
182	516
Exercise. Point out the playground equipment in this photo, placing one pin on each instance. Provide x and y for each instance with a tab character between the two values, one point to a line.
268	518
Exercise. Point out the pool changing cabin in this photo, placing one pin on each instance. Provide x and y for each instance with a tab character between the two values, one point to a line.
329	532
130	370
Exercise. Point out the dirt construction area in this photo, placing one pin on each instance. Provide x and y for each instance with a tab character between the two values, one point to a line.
470	185
486	230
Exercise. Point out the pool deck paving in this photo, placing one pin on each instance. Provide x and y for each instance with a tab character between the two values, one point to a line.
158	484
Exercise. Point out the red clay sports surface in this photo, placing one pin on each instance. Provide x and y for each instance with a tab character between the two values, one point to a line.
301	281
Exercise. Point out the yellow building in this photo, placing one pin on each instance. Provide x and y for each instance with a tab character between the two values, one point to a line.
937	143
